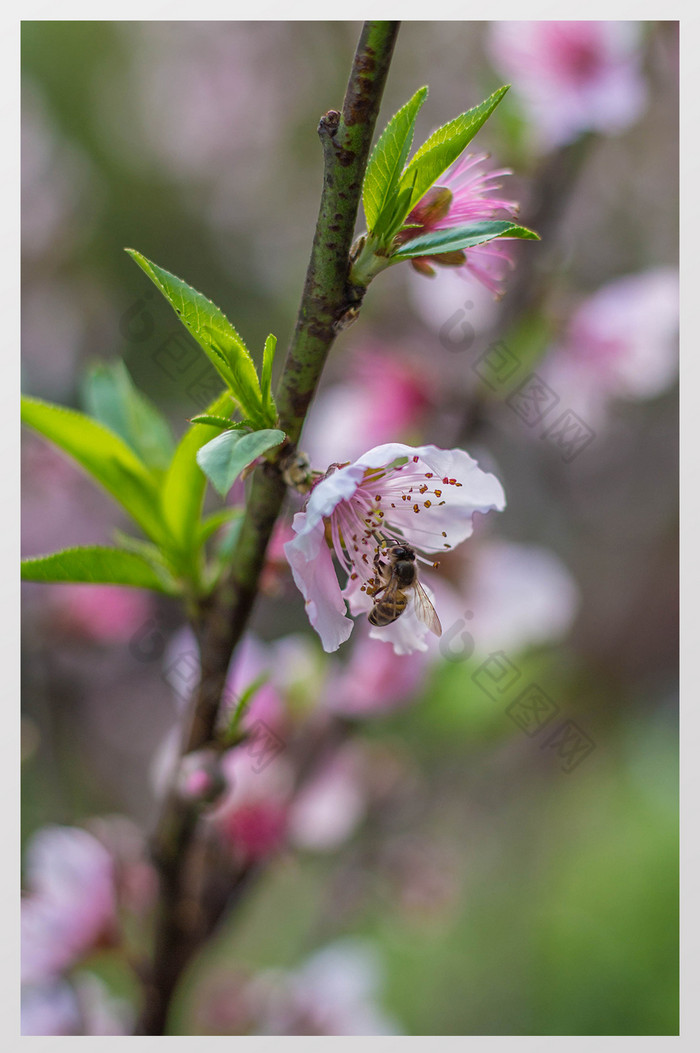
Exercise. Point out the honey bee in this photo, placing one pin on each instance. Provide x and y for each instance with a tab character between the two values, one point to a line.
397	580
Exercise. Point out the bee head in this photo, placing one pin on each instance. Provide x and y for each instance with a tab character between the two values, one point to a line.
402	552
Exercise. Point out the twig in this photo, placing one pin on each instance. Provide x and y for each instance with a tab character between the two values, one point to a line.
183	920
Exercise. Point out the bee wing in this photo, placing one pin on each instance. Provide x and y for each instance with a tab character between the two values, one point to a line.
425	610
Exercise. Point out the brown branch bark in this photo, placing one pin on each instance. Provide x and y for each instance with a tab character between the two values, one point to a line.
184	917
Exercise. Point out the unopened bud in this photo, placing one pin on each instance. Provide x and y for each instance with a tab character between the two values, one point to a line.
200	779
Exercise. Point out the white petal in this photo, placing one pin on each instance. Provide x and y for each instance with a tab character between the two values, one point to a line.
446	520
326	495
311	563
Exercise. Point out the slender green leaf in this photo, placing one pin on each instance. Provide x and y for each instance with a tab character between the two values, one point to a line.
224	458
232	733
445	145
266	378
387	161
216	520
227	541
98	565
451	239
221	422
157	557
214	333
182	489
112	398
104	455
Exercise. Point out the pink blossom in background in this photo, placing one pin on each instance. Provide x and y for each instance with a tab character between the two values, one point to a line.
329	808
428	501
82	1006
458	312
621	342
385	396
70	908
252	659
465	193
102	613
288	662
520	596
252	816
375	680
572	77
334	992
502	596
276	569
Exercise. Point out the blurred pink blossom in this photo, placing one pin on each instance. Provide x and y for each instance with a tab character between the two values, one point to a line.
465	193
521	596
504	596
329	808
572	77
252	816
276	568
621	342
80	1007
375	680
285	662
334	992
70	908
103	613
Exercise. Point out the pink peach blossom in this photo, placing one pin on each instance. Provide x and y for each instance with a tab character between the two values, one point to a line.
423	496
252	815
103	613
572	77
334	992
329	808
621	342
70	908
464	194
375	680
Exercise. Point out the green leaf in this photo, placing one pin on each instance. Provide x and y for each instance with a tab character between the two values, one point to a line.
182	489
224	458
112	463
387	161
214	333
444	147
111	397
451	239
221	422
98	565
232	734
266	378
216	520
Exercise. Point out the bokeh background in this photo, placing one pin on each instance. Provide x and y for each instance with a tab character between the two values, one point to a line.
475	875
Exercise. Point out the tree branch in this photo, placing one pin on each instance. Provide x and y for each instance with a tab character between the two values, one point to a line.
326	303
